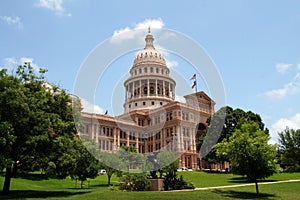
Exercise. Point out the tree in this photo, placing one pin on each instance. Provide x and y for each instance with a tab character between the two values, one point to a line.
289	147
232	117
76	161
248	152
130	156
112	163
169	165
35	119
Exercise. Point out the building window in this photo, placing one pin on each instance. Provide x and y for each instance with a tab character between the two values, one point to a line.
158	90
157	70
152	103
136	104
151	69
162	71
145	90
135	72
87	129
144	103
145	69
161	103
129	106
151	90
140	71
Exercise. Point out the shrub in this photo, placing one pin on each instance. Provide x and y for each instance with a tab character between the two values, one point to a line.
174	183
134	182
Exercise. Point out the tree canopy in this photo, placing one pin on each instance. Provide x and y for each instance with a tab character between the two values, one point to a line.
232	117
289	148
36	125
248	152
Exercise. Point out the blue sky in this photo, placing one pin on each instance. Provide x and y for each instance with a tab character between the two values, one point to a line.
254	45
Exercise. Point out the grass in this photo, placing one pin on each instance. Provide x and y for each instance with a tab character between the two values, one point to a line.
35	186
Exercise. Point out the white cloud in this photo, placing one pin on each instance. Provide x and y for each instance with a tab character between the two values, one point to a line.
171	63
128	33
53	5
290	88
91	108
152	23
298	66
12	63
283	67
12	21
279	126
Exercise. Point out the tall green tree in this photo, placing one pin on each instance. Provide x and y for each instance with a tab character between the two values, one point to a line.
112	163
130	156
232	117
169	164
289	147
36	121
248	152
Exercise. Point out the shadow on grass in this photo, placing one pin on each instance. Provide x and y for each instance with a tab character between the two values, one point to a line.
23	194
33	177
243	195
99	185
242	180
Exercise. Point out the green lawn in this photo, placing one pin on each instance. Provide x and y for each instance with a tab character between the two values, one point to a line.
36	187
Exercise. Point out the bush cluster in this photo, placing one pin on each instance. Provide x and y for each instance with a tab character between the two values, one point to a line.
134	182
174	183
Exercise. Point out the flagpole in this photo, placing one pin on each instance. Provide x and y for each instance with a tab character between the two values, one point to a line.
196	83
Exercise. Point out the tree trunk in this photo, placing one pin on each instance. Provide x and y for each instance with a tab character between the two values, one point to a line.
108	177
256	186
81	184
7	180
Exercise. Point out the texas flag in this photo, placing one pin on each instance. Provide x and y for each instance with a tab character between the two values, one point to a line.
194	84
193	77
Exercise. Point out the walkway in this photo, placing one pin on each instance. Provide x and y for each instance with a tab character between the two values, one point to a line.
247	184
239	185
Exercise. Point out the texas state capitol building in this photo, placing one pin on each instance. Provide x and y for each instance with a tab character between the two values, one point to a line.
153	120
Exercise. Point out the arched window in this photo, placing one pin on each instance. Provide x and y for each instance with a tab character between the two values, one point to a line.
145	90
158	90
151	90
167	91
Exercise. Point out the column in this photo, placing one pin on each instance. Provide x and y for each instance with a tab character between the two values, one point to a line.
163	89
191	147
115	138
148	88
161	138
118	137
173	91
98	127
170	90
178	145
92	128
155	87
136	141
127	138
132	94
154	143
140	86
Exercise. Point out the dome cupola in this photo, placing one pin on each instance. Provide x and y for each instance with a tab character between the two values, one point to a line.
149	84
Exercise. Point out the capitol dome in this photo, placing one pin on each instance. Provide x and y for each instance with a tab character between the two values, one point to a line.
149	84
149	54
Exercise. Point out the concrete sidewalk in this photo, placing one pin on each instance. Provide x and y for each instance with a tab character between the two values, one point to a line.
247	184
